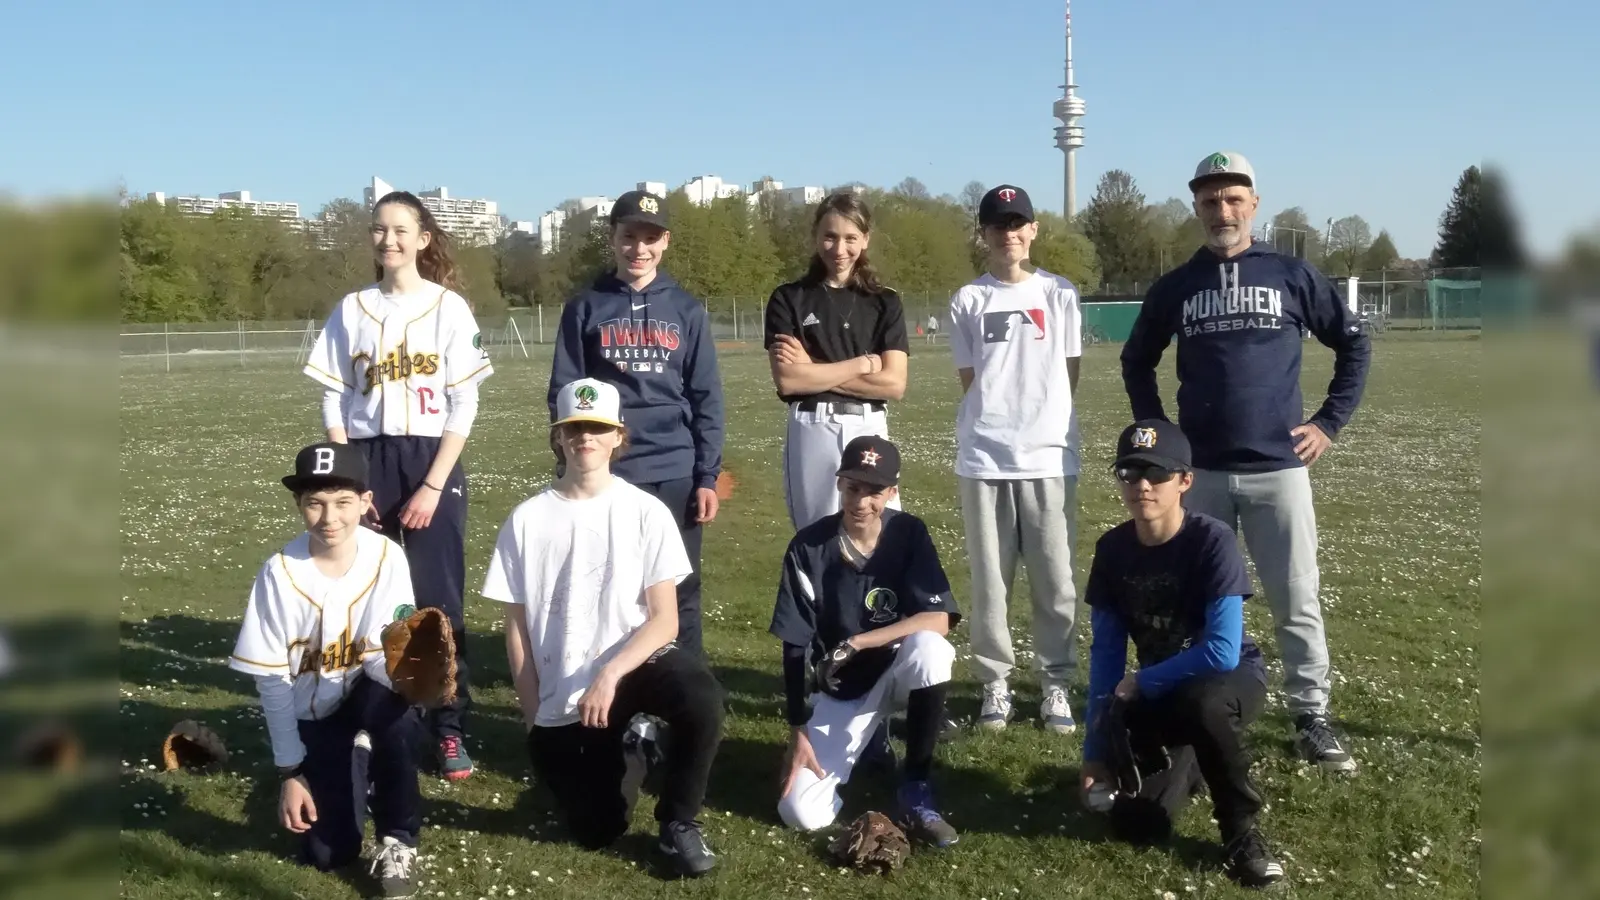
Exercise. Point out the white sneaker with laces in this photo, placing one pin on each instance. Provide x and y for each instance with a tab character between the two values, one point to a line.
1056	712
996	709
393	866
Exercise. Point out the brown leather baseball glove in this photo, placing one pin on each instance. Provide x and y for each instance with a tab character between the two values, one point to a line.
872	844
191	745
420	656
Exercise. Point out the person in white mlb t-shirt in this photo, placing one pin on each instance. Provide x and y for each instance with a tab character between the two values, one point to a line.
400	362
589	569
312	637
1016	337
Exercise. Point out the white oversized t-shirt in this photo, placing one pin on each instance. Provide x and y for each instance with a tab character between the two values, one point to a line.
1017	420
320	633
581	568
397	358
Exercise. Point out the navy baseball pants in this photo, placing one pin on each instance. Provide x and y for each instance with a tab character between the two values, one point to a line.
339	784
437	554
679	496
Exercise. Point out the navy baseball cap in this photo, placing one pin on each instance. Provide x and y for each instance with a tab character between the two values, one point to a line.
1002	203
640	206
1153	442
871	460
328	465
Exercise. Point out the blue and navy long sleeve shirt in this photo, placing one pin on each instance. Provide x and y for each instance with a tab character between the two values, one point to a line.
656	347
1237	324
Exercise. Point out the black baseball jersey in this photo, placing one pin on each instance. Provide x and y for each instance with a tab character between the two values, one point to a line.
824	599
1161	593
836	324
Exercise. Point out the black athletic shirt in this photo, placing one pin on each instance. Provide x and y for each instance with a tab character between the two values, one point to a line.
822	599
835	324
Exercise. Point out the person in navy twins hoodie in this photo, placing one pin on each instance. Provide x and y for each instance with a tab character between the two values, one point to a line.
637	329
1236	309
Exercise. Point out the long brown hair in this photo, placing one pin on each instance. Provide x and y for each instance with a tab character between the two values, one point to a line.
864	277
434	261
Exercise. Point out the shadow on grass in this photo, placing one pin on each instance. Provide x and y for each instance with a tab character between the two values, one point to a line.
184	648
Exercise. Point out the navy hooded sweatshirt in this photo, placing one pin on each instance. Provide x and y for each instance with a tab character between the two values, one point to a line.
1237	322
656	347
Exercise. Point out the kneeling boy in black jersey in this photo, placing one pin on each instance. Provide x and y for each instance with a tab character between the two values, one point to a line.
863	587
1174	583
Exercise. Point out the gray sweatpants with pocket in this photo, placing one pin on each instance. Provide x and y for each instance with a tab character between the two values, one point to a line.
1275	513
1034	521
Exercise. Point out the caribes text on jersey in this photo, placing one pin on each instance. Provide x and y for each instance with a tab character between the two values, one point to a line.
398	365
338	656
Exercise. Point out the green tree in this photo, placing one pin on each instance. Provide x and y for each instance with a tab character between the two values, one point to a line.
1177	231
1459	243
1382	254
1348	242
1116	221
1063	250
1292	234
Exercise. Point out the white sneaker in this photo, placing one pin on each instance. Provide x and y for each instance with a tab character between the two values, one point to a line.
996	709
393	866
1055	712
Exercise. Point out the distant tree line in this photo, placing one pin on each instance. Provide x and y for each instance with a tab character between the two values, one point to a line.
233	265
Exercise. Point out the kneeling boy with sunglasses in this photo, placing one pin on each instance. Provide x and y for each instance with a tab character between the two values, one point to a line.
1174	582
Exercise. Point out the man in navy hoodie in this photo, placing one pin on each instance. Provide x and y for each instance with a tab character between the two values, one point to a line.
1236	309
637	329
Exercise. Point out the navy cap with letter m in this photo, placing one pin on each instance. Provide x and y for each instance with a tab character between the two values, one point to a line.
1153	442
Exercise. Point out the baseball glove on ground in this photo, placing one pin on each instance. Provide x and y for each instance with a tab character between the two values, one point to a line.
872	844
419	654
1120	758
190	745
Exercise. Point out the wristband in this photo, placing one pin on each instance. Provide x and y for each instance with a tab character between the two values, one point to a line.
427	485
288	772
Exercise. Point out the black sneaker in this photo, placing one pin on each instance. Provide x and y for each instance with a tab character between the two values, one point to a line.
1251	863
393	864
1316	741
687	846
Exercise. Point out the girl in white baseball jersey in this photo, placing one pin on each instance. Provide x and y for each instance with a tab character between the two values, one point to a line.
400	362
838	347
312	637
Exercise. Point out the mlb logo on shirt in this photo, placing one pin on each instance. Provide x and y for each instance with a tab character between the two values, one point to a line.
998	327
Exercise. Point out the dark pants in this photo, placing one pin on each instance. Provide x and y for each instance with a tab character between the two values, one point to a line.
1201	724
679	496
339	784
436	554
588	771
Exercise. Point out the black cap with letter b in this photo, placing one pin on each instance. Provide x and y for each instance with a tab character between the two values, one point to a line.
328	465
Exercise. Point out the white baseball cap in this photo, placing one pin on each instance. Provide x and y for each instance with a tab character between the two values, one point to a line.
589	400
1224	164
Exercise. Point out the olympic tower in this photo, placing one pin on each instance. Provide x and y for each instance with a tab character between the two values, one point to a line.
1069	134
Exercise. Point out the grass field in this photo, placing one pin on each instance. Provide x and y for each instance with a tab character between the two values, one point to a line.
1398	506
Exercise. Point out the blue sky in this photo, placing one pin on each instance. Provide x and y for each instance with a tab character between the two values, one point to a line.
1356	107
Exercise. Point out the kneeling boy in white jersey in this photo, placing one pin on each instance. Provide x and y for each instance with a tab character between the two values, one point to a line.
312	637
589	569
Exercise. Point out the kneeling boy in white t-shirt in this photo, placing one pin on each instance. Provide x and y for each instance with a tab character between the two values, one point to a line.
590	568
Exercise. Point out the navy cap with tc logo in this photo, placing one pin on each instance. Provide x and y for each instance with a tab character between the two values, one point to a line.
1003	205
639	206
328	465
872	460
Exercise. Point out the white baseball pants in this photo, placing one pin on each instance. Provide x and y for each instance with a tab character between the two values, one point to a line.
840	729
811	452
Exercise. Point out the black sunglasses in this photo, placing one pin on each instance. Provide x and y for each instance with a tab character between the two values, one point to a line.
1152	474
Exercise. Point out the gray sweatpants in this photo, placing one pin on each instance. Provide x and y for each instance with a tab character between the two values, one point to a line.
1034	520
1275	513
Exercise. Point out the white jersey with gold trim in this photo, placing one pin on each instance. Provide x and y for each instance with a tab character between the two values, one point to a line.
320	633
398	359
